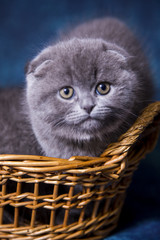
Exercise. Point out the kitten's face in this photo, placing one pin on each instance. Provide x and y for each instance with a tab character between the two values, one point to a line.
77	90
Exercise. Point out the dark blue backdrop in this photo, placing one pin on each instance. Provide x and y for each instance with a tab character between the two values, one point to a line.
26	26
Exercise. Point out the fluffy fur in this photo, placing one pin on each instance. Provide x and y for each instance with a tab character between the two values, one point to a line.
38	120
100	51
16	132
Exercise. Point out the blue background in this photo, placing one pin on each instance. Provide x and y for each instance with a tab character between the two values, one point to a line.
27	26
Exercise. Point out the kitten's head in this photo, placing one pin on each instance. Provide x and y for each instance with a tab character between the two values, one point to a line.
79	90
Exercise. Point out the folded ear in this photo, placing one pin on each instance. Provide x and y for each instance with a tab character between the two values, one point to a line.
41	70
118	55
116	52
39	62
38	71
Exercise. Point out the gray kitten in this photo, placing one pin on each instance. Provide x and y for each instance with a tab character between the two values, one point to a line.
81	94
87	89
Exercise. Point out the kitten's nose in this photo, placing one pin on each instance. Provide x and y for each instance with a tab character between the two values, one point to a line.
87	103
88	108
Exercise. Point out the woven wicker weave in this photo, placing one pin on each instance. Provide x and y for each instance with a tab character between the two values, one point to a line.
103	182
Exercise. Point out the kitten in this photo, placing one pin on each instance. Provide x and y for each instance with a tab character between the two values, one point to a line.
81	94
87	89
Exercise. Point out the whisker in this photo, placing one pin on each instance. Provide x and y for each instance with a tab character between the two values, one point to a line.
56	121
59	123
124	110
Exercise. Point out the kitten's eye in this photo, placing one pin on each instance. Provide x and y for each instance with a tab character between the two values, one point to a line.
103	88
66	92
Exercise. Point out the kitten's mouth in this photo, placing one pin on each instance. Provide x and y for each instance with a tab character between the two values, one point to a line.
88	119
89	123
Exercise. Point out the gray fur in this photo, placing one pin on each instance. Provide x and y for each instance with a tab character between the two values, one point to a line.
16	132
100	51
38	120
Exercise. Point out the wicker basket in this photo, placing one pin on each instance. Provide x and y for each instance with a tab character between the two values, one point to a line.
102	185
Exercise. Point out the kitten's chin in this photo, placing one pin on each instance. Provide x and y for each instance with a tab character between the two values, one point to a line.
84	131
87	130
90	124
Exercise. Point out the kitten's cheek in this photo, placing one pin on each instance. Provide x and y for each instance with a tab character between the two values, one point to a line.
70	120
